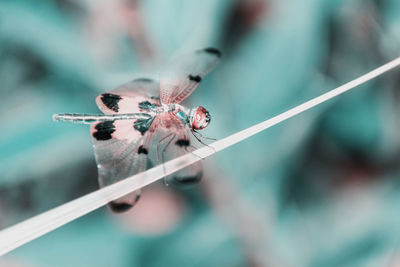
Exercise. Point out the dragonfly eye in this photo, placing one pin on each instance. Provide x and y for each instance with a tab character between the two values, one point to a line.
200	118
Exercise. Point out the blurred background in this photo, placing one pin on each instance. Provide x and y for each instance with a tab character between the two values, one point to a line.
322	189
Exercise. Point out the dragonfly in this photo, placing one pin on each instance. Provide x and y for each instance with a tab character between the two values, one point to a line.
144	111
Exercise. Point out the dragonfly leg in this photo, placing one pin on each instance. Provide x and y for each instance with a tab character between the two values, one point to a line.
159	143
201	142
194	148
202	136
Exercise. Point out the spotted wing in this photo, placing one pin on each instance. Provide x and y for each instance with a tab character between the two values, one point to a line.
125	98
175	143
121	150
185	73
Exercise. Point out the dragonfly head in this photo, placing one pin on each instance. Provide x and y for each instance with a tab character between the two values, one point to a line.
199	118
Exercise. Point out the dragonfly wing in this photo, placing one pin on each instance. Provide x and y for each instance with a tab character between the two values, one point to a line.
185	74
125	98
121	150
174	144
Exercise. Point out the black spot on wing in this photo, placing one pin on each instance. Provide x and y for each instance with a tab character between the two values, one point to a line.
142	125
142	150
146	80
111	101
119	207
196	78
212	50
188	180
146	105
104	130
185	181
182	142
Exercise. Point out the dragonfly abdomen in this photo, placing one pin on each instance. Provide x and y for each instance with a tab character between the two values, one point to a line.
91	118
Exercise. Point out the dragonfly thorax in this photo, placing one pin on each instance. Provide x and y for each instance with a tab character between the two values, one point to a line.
178	110
197	118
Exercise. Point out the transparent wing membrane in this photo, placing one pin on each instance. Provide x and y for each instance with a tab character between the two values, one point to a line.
121	146
185	73
175	143
120	151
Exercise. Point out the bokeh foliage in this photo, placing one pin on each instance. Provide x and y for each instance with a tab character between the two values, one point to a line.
322	189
